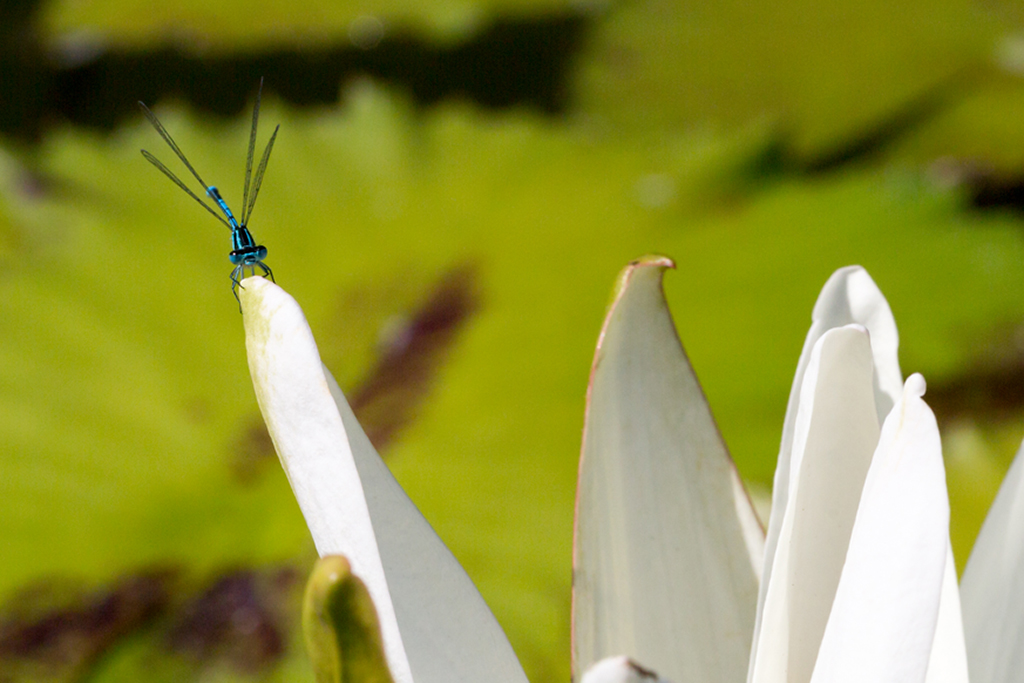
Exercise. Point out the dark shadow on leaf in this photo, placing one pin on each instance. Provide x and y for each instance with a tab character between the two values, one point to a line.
43	640
511	62
387	399
242	619
989	390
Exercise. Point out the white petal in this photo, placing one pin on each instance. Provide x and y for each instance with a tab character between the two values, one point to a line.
849	297
835	437
436	627
948	662
662	562
992	589
620	669
883	621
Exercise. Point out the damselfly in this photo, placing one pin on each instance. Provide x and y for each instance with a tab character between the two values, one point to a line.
245	254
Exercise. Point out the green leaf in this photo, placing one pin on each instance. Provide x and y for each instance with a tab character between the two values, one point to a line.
125	398
236	24
824	74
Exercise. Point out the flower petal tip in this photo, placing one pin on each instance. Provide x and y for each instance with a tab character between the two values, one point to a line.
259	296
915	385
652	261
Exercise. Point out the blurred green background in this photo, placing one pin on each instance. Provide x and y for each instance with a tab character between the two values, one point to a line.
453	190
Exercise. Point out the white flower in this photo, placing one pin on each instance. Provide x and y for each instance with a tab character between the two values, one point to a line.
436	628
855	556
858	564
854	580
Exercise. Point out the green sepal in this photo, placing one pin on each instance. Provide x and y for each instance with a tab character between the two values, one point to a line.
340	623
